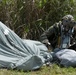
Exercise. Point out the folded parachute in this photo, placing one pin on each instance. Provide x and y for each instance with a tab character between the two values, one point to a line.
18	53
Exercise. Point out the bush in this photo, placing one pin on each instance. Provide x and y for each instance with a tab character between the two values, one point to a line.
29	18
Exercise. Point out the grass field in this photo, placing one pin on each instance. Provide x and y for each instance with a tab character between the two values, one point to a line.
45	70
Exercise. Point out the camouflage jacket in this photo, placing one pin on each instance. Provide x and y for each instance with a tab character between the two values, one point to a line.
52	34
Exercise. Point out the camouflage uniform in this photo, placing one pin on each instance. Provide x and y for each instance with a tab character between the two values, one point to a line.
52	34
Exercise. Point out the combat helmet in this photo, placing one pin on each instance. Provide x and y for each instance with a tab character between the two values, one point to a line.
68	20
68	17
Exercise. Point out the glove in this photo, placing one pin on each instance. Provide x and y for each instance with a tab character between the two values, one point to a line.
47	43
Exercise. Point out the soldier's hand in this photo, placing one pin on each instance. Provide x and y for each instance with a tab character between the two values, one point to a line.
48	43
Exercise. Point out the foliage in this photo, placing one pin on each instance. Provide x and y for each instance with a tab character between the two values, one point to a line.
29	18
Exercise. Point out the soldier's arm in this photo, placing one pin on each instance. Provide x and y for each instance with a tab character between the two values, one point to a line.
44	37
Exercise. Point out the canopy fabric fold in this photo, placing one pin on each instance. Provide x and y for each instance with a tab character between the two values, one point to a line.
20	53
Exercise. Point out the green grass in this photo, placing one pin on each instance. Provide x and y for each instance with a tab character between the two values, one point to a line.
51	70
